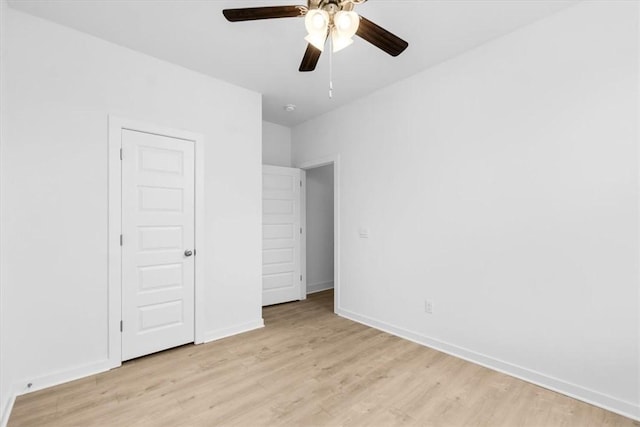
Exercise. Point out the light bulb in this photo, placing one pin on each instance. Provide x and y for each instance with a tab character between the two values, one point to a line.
346	23
343	21
317	22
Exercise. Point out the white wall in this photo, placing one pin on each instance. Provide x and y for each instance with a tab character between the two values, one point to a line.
5	384
319	237
276	144
503	186
62	86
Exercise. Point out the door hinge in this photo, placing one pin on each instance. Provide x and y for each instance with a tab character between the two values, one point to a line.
300	230
300	183
121	240
121	154
121	326
301	277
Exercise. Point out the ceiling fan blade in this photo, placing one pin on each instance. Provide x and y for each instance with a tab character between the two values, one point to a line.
269	12
310	59
379	37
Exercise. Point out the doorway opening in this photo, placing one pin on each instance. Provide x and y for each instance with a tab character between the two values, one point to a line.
321	225
301	232
319	221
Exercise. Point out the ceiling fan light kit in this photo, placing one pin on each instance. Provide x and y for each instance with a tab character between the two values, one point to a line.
324	19
342	25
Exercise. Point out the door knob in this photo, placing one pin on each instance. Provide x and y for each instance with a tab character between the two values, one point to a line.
188	253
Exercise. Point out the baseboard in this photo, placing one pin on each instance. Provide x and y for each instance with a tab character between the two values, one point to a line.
7	408
610	403
218	334
60	377
319	287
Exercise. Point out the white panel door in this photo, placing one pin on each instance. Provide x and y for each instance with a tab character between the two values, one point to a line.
281	272
158	241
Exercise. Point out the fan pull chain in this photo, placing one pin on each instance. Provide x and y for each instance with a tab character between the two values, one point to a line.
330	67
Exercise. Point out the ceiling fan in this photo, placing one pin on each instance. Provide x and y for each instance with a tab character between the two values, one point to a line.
325	19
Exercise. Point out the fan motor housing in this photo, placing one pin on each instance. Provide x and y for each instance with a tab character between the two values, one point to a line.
333	6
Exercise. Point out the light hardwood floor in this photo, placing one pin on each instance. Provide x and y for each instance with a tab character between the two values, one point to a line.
307	367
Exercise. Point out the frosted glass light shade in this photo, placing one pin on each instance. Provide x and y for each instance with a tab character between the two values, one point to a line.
346	23
317	41
317	22
339	42
345	26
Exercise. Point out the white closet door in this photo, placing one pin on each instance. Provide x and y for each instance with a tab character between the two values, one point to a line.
281	272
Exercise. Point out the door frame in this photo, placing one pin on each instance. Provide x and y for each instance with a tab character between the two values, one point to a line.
312	164
114	254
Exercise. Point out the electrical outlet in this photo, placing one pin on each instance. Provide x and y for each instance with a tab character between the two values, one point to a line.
428	306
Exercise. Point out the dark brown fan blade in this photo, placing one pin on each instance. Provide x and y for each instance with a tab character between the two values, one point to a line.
381	38
310	59
270	12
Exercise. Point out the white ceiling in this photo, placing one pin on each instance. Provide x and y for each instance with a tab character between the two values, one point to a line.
264	55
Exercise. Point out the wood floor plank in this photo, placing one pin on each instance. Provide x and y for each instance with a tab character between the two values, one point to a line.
307	367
